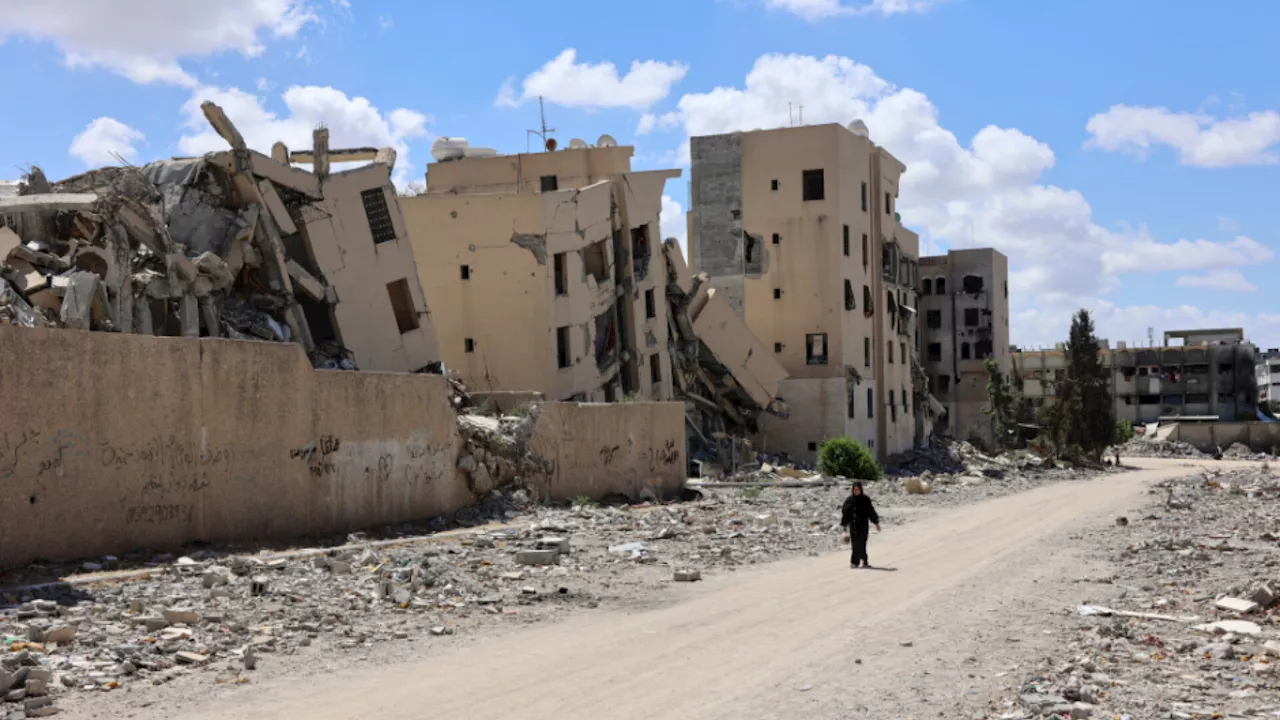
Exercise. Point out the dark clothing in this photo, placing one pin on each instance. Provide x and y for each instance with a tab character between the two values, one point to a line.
858	514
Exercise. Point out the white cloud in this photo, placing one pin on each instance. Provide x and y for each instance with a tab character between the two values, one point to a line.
673	221
1129	323
143	40
814	10
352	122
986	192
564	81
1232	280
1228	224
1198	139
103	140
649	122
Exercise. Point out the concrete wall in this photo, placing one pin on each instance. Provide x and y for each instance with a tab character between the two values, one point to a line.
818	408
1259	436
523	172
715	218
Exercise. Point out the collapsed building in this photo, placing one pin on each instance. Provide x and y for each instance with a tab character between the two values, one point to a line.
234	244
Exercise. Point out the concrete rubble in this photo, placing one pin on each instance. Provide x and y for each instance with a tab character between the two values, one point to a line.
1191	628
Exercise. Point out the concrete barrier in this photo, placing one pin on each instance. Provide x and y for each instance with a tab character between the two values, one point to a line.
1259	436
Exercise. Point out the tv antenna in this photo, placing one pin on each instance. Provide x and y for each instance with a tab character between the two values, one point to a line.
542	133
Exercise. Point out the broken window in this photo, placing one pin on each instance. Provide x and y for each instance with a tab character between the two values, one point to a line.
466	272
562	273
562	346
650	304
655	368
871	403
849	298
748	248
773	185
971	317
889	351
935	352
378	215
866	258
902	349
944	383
595	261
1006	288
550	183
864	209
846	241
606	338
983	349
640	251
941	286
402	305
888	204
814	185
777	294
777	238
1224	367
866	352
964	351
933	319
926	287
868	308
815	349
971	284
906	406
777	347
893	409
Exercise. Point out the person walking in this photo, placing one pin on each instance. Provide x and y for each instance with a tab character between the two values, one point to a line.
858	514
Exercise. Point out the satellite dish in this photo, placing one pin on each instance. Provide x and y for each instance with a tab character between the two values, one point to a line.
577	144
552	144
859	128
607	140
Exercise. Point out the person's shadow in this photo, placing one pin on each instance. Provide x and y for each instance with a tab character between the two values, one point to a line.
881	569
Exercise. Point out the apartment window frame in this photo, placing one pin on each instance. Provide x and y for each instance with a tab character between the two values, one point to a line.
650	304
940	287
972	317
469	345
773	185
850	297
777	347
777	239
965	351
893	409
934	351
777	293
813	185
864	199
465	271
888	203
377	212
866	351
889	351
655	369
933	319
564	354
560	266
548	183
811	354
871	403
866	251
926	286
402	306
846	241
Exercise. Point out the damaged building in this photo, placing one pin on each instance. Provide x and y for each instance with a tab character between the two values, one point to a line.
545	270
234	244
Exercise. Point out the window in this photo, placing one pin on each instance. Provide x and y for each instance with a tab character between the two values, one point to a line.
813	447
595	261
815	349
888	204
906	406
777	238
864	201
935	352
550	183
926	287
944	383
902	352
562	346
777	293
562	274
890	351
1006	289
655	368
893	409
941	287
865	254
773	185
964	351
982	349
933	319
466	272
402	305
650	304
971	284
866	351
469	344
971	317
846	241
867	307
814	185
378	215
777	347
871	403
849	298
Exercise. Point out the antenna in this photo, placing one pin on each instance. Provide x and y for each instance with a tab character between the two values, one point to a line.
542	133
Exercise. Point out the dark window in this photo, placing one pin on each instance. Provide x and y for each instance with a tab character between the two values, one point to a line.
562	274
773	185
550	183
777	294
935	352
864	198
378	215
971	284
650	304
944	383
815	349
595	260
867	307
964	351
865	252
866	351
893	409
849	298
971	317
933	319
777	238
890	351
906	406
982	349
846	241
941	287
466	272
813	447
814	185
902	350
655	368
852	401
777	347
402	305
562	346
888	204
1006	289
469	344
926	287
871	403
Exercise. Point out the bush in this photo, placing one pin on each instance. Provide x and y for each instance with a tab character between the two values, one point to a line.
1124	432
848	458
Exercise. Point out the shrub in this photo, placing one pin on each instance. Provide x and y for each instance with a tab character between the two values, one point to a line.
752	493
848	458
1124	432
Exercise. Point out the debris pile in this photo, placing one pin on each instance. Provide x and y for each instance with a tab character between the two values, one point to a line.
1192	629
950	457
1139	446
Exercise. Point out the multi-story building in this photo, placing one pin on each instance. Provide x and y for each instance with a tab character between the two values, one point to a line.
796	229
1267	375
964	302
545	271
1210	376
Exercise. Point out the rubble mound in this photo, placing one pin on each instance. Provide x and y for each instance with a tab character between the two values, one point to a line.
1239	451
1142	447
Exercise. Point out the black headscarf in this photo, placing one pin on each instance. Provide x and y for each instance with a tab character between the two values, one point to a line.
858	512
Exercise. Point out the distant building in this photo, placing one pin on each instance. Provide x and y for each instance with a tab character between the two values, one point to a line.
1267	375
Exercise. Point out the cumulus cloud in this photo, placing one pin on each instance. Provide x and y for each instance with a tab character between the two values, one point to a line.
105	141
144	40
814	10
987	191
673	221
1231	280
564	81
352	122
1198	139
650	122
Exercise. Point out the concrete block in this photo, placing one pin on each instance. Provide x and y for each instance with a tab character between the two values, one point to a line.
688	575
175	616
538	557
191	658
559	544
1236	605
1264	596
61	635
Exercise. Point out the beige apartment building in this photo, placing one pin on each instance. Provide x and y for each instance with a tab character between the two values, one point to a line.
964	301
545	271
797	230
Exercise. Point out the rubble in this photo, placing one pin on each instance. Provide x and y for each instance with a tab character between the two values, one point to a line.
1139	446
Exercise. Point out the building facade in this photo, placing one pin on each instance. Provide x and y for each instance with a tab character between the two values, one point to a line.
964	305
1211	376
796	229
1267	376
546	272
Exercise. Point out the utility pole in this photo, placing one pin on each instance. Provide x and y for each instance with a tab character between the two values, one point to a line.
541	133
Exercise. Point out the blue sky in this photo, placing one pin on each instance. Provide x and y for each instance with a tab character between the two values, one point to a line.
1122	154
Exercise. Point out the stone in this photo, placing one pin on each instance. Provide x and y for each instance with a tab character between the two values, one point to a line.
538	557
559	544
1264	596
214	578
1237	627
1081	710
250	659
1236	605
7	679
190	658
688	575
36	687
401	596
61	635
338	567
181	616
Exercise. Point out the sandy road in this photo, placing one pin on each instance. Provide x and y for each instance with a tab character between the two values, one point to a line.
804	638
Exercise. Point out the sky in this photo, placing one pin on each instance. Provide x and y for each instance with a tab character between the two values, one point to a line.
1122	155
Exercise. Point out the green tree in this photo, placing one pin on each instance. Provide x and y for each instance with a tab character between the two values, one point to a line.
1002	404
1124	432
1092	408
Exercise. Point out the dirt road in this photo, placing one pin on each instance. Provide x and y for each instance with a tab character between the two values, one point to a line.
933	632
